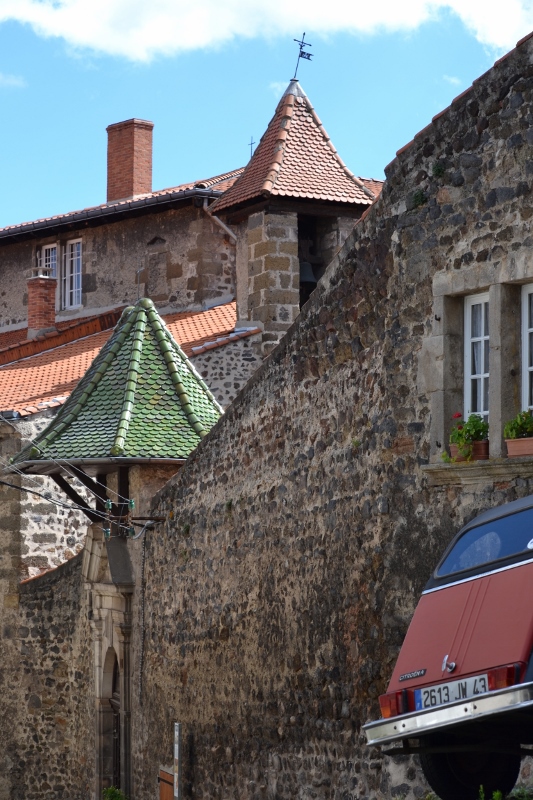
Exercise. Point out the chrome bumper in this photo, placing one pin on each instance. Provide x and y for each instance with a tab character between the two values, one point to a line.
419	723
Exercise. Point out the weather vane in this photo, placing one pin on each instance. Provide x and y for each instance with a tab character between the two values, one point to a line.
251	144
302	53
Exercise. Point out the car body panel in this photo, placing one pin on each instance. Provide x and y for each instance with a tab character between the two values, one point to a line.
481	623
509	702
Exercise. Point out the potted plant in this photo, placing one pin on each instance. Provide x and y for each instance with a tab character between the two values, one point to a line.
518	435
469	440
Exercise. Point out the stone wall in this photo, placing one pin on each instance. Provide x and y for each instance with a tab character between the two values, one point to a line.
227	369
51	533
301	532
56	704
180	258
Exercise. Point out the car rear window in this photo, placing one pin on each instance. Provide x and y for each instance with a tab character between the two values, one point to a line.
501	539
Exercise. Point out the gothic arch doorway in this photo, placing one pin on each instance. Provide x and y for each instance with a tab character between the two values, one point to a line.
110	723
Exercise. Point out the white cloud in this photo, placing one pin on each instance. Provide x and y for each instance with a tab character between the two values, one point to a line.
12	81
452	79
139	30
278	87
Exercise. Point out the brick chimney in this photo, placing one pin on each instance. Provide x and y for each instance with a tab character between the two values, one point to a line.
41	303
129	159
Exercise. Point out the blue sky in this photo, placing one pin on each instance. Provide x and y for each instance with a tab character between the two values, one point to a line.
69	68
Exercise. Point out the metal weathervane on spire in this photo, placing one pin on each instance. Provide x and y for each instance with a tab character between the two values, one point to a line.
302	54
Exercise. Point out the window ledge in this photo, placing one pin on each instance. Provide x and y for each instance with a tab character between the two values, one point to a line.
466	473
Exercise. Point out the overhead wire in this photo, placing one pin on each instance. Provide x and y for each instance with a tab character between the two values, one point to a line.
70	464
49	497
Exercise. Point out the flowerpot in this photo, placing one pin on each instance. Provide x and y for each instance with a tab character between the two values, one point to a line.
480	451
519	447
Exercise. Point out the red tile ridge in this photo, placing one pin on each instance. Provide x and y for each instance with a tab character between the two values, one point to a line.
460	96
524	39
333	149
282	134
405	147
49	341
207	183
223	340
424	131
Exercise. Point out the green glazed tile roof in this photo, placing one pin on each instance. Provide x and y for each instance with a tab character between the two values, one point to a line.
140	398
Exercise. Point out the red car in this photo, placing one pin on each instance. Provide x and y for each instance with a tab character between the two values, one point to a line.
461	694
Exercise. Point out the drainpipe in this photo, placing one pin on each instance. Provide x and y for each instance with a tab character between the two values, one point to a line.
219	222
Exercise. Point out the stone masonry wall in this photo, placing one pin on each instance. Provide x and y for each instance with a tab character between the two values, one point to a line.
273	273
56	705
301	532
51	532
179	257
227	369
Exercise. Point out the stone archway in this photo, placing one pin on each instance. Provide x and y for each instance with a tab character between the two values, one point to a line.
109	723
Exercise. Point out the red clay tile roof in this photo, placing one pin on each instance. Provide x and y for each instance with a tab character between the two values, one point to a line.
65	332
46	379
296	158
220	183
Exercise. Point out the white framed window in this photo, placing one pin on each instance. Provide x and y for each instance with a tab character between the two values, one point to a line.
476	356
527	346
71	275
47	259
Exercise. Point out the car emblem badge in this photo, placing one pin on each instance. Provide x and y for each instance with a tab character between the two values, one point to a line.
447	665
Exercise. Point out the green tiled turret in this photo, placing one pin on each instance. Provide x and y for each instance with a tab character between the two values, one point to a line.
140	398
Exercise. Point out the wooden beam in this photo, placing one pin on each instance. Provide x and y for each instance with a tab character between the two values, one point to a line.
72	494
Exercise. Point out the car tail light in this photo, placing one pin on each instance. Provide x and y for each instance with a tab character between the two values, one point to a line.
392	704
501	677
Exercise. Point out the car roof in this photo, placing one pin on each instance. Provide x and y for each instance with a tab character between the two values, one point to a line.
500	511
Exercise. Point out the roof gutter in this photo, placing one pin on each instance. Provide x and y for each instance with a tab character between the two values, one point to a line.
103	214
219	222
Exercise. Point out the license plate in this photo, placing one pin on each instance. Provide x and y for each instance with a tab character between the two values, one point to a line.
450	692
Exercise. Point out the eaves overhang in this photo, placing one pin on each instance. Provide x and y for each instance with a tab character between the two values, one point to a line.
91	466
103	215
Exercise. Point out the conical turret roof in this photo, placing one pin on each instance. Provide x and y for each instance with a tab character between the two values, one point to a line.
295	159
140	399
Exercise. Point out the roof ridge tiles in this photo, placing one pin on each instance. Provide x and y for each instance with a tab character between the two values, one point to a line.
295	158
141	398
41	344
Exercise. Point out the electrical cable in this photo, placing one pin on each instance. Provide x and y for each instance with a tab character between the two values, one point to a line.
71	465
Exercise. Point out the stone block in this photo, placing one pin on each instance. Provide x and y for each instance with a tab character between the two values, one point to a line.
283	296
264	280
256	220
289	248
264	248
277	262
255	235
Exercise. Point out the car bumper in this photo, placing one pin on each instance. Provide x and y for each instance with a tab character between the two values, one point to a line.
420	723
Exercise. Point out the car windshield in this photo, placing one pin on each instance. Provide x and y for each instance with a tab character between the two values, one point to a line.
502	538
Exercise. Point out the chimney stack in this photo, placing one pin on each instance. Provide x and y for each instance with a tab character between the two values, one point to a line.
41	303
129	159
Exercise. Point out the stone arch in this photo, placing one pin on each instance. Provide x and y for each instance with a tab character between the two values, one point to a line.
109	722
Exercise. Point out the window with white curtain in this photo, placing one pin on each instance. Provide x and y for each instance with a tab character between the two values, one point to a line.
527	346
71	275
476	356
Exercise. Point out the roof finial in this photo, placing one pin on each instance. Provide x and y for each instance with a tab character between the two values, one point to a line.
251	145
302	53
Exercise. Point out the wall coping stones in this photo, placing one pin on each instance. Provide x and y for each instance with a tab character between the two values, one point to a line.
476	472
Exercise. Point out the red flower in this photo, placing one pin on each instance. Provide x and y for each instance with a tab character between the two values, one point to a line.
459	427
457	415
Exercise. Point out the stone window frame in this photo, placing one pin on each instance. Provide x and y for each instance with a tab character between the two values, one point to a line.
469	341
441	360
